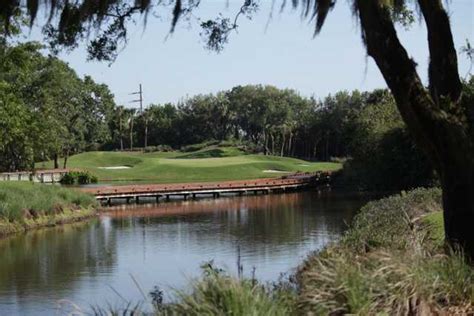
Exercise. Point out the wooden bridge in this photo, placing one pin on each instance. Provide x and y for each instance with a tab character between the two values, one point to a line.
184	190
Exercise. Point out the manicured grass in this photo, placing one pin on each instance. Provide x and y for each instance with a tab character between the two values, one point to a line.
435	227
25	205
208	164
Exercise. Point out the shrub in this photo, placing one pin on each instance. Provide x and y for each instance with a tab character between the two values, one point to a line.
159	148
196	147
78	177
386	223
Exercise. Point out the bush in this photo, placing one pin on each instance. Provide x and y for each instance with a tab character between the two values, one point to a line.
159	148
196	147
78	177
386	223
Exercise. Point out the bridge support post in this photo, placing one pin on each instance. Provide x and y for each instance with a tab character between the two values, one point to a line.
137	199
167	197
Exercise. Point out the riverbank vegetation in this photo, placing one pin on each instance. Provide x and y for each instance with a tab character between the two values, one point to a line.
25	205
392	261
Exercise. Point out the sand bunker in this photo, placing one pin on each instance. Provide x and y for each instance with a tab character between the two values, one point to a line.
275	171
115	167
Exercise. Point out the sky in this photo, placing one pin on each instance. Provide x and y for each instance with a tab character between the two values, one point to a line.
281	52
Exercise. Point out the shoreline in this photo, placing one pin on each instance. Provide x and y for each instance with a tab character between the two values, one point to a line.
66	217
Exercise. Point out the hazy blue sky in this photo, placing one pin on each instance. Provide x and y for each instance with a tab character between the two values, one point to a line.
284	54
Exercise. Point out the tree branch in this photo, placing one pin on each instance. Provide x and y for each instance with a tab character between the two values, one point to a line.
413	101
443	69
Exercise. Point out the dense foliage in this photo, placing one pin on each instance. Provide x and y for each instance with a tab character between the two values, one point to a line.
46	110
78	177
270	120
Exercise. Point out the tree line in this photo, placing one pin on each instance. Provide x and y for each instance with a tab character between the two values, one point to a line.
48	112
273	121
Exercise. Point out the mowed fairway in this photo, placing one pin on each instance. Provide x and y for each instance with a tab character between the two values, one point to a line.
210	164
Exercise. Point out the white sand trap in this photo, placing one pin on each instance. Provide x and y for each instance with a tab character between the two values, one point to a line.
114	167
303	165
275	171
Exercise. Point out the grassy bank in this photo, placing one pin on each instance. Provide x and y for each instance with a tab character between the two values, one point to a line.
24	205
392	261
207	164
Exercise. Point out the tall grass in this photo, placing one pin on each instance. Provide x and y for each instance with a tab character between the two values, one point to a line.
25	200
217	293
391	261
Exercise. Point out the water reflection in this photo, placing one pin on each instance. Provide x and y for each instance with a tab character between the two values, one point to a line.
164	244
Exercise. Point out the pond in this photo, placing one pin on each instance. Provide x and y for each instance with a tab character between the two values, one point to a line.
128	250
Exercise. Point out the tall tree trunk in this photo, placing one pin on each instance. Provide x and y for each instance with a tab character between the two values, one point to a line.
290	143
265	143
56	162
327	147
283	141
436	118
273	143
146	133
131	134
65	159
458	205
120	129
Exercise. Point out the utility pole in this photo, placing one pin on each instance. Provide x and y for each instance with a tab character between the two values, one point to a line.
139	100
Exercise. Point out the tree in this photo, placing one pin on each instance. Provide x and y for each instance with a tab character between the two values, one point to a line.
65	114
437	117
383	156
15	132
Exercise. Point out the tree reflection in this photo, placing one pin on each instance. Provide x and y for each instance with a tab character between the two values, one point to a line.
54	258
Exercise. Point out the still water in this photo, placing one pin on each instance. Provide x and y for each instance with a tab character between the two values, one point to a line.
132	248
